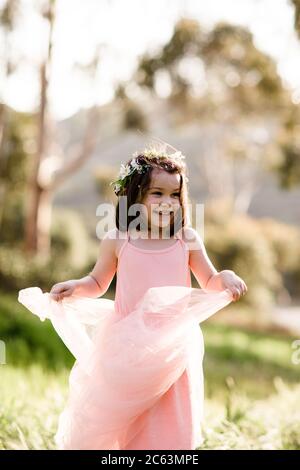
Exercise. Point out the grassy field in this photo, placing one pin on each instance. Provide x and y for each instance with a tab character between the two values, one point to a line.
252	388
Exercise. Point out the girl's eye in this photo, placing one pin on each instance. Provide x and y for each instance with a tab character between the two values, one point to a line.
175	194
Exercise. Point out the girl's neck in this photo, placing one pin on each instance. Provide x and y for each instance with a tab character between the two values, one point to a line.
156	234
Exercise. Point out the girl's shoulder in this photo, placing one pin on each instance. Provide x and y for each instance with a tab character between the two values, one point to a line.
109	241
192	238
189	235
120	238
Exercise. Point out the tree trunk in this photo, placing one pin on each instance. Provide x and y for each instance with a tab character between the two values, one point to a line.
44	217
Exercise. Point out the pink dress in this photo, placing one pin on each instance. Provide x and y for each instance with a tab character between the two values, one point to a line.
137	382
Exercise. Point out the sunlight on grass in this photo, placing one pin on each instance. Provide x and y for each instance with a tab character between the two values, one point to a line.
31	400
242	423
252	388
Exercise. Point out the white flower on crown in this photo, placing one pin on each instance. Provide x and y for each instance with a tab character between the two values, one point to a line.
135	165
152	152
177	156
117	187
129	168
124	171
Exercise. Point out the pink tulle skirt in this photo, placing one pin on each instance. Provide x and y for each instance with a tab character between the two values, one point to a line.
124	364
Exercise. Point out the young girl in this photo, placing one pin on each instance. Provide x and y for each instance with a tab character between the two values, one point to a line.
137	382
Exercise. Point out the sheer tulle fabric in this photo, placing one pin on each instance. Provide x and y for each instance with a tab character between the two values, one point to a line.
123	364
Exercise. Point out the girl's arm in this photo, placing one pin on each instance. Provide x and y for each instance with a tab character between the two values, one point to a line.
96	283
205	272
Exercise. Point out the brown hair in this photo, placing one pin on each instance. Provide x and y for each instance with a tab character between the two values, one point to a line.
139	183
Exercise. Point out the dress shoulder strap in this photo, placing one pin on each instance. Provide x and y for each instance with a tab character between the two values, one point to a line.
180	236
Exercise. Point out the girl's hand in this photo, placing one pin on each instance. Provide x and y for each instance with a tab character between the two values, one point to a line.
63	289
234	283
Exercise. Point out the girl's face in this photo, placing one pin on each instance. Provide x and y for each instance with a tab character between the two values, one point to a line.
162	199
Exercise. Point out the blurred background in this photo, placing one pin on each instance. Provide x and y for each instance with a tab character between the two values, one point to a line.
83	84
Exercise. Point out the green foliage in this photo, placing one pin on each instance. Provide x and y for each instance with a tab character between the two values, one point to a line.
12	222
28	339
260	251
13	175
285	243
18	271
103	175
247	76
243	249
69	238
289	169
71	256
287	166
133	117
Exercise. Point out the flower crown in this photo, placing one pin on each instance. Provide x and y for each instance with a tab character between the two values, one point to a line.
134	166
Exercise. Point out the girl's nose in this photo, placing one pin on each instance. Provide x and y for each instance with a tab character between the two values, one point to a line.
166	202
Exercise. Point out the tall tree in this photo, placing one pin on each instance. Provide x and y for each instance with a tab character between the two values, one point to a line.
9	13
220	80
45	177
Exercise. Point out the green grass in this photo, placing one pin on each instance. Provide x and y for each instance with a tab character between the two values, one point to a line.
30	401
252	388
251	360
240	422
